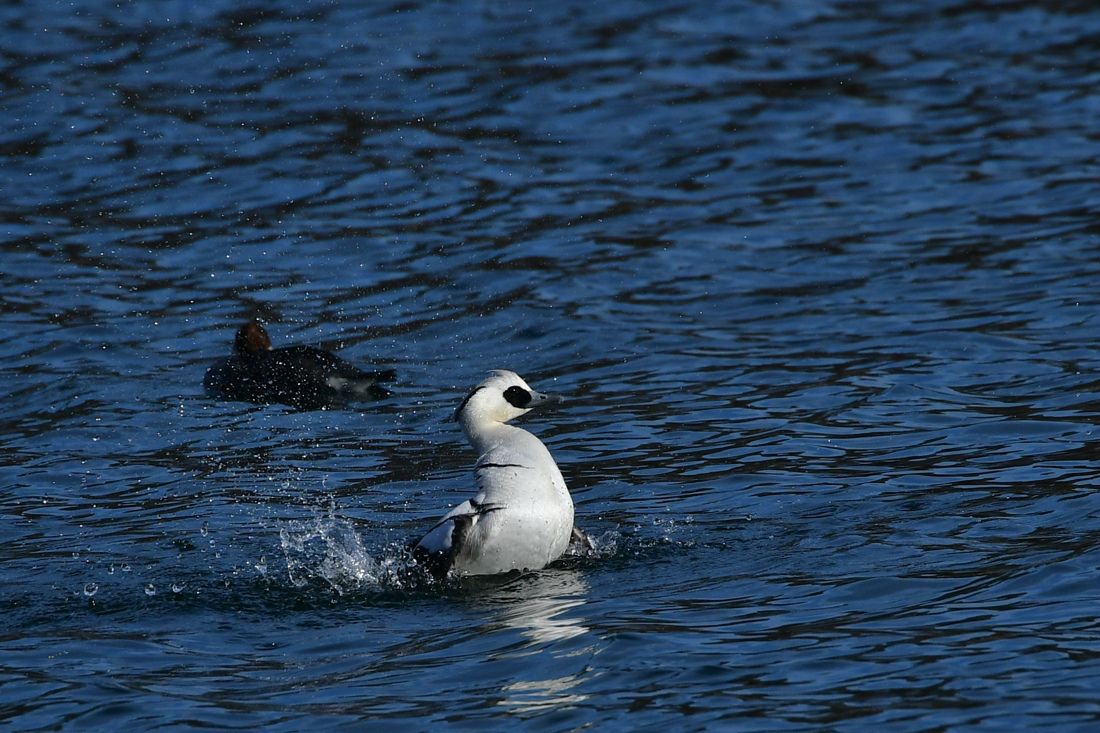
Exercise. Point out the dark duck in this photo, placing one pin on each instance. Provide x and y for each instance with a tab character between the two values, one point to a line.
304	377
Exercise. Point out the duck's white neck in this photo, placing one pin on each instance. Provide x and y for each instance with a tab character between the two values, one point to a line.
485	434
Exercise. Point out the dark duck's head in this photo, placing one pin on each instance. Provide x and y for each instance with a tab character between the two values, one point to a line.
252	339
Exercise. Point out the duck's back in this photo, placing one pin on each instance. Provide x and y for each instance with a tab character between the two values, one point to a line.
300	376
533	527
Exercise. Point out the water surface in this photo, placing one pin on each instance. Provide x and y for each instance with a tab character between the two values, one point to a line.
817	281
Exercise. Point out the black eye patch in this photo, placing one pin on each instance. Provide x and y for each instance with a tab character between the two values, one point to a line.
517	397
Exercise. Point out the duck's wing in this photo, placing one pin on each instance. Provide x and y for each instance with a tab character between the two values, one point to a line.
438	549
324	377
238	378
579	541
325	361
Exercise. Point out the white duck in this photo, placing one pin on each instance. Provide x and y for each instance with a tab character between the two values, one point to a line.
522	515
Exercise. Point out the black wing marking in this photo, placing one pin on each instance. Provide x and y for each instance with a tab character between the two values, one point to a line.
480	466
440	563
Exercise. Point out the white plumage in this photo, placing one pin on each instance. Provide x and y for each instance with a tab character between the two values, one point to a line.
522	515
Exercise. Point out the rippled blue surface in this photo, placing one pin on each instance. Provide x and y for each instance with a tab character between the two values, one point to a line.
818	281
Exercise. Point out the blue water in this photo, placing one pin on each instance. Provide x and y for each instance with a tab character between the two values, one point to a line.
818	282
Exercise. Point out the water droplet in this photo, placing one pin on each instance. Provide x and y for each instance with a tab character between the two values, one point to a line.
110	570
150	590
261	566
91	589
125	567
205	530
177	587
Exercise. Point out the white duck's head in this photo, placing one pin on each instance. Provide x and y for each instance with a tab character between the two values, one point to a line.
502	397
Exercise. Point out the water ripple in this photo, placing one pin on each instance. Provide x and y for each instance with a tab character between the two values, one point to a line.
816	281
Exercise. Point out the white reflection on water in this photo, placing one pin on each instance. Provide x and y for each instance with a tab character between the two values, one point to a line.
535	605
541	695
543	607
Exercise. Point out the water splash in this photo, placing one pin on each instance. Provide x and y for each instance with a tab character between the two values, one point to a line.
329	550
602	546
